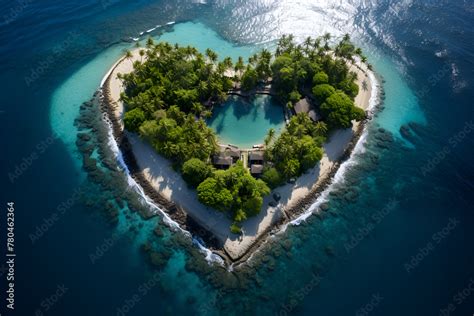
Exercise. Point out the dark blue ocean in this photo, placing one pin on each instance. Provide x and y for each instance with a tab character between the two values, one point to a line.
398	238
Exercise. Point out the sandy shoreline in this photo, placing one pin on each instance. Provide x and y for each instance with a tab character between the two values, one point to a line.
172	193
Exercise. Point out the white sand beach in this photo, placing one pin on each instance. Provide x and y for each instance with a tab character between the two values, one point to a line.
164	179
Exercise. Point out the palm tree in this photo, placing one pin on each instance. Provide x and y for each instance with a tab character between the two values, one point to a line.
197	108
321	128
227	62
346	37
290	168
150	42
129	56
317	43
270	136
326	38
211	55
308	42
239	66
141	52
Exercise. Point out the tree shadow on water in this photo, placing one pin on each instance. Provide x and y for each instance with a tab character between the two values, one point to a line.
216	121
241	107
273	111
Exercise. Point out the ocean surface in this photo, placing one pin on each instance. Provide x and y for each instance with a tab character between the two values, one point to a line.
397	238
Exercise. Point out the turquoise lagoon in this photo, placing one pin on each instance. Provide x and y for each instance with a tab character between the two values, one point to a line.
249	129
245	123
80	87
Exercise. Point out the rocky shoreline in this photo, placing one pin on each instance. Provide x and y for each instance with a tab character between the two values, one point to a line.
108	107
174	211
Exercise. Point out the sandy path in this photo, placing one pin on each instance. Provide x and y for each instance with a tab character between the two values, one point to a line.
165	180
334	148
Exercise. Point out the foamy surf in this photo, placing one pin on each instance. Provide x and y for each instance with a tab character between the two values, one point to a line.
209	256
339	177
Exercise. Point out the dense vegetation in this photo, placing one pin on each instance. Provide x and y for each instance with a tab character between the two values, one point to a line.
172	89
233	189
296	150
320	73
312	69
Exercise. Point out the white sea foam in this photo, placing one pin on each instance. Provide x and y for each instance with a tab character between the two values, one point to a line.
209	255
339	177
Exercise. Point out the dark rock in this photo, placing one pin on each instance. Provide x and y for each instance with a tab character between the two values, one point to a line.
146	247
89	164
157	260
417	128
405	132
158	232
329	251
287	244
84	136
384	137
324	207
276	196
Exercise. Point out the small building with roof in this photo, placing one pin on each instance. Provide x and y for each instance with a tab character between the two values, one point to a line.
222	162
305	106
227	156
256	170
232	152
256	157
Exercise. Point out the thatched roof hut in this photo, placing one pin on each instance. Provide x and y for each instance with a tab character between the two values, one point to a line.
304	106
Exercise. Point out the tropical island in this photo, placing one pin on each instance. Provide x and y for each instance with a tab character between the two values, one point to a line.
162	96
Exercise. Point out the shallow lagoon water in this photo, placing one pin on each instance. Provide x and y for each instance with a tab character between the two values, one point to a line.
375	266
229	122
245	123
83	83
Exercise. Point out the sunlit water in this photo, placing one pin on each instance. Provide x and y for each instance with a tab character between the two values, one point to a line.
407	42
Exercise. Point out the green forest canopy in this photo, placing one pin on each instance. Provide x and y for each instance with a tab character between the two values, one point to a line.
169	93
